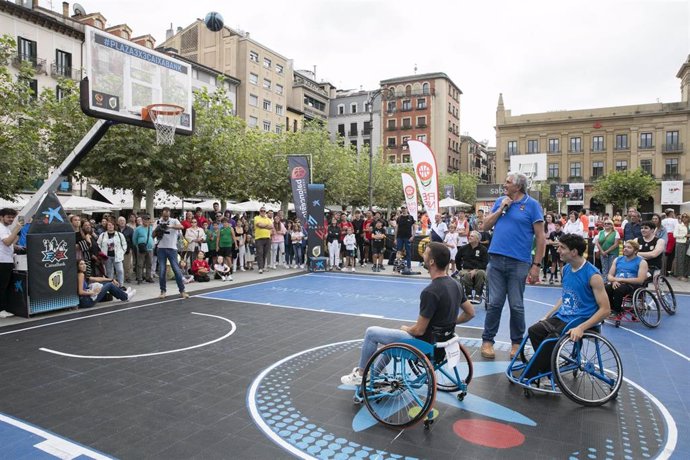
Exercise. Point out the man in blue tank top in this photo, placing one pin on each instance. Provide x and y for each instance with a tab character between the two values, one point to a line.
629	273
584	299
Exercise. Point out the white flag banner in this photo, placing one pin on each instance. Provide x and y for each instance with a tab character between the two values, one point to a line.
427	176
410	192
672	192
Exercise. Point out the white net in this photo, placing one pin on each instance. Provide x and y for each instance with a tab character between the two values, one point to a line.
165	118
529	170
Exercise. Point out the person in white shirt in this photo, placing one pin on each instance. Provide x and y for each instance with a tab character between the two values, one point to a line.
438	229
350	242
8	236
669	224
574	225
452	241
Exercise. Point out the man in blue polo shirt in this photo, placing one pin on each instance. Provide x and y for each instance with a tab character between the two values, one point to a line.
517	220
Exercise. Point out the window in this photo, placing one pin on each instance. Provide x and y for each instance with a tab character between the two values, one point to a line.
671	166
316	104
672	141
425	88
646	166
391	142
554	145
391	125
353	143
366	143
341	109
366	129
253	121
279	129
341	130
646	141
267	63
532	146
421	122
421	103
279	69
621	142
406	105
553	170
597	169
406	123
253	100
253	79
267	105
32	84
406	158
26	50
598	144
404	142
267	83
512	148
621	165
391	158
279	89
254	56
63	63
353	107
59	93
267	126
353	129
390	107
367	107
576	169
575	144
279	110
421	138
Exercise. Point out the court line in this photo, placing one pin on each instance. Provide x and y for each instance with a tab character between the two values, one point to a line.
653	341
233	328
375	279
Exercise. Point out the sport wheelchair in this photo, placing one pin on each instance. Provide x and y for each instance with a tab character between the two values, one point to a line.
644	305
589	371
400	380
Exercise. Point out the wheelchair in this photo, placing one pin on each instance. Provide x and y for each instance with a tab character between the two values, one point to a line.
589	371
401	379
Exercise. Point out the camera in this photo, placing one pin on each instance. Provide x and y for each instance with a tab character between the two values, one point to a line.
161	230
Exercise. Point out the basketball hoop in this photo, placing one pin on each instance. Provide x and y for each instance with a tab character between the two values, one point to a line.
165	117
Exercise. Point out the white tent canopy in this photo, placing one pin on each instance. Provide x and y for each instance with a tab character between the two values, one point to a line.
69	203
125	200
451	203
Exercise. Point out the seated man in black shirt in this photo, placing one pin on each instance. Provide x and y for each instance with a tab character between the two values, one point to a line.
652	248
439	307
472	260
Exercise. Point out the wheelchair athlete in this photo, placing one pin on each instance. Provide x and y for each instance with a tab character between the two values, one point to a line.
583	300
440	305
628	273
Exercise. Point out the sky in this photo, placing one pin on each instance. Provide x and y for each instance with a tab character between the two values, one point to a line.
542	55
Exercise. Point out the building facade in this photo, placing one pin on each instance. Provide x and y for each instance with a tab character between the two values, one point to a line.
309	97
476	159
352	120
584	145
425	108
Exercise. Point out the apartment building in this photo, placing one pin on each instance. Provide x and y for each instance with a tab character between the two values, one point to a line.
583	145
424	107
309	96
351	118
476	159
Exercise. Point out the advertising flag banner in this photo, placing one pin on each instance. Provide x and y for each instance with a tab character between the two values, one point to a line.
410	192
316	220
672	192
298	167
427	176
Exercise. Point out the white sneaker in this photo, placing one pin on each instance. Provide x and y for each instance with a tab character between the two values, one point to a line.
274	267
353	268
353	379
242	269
286	266
228	278
130	294
260	271
5	314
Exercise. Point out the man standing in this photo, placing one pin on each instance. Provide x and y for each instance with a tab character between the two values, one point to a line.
632	229
406	228
167	233
438	229
142	240
517	220
8	236
127	231
442	305
262	237
358	225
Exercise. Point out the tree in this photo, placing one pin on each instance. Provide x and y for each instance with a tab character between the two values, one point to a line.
624	188
465	186
20	126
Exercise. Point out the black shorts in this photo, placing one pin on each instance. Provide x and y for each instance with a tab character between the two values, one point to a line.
377	248
225	252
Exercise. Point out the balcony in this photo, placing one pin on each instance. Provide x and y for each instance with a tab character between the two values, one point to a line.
672	176
645	147
406	127
576	150
38	64
366	132
598	149
553	179
554	152
672	148
595	178
575	179
352	133
510	153
421	107
391	146
389	95
406	108
421	126
391	128
622	148
59	71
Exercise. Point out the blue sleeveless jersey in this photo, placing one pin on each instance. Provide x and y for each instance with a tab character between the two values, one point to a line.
578	299
627	268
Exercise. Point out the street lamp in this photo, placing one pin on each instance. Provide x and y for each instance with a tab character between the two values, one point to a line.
372	96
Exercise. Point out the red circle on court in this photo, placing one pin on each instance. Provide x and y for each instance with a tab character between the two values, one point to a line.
488	434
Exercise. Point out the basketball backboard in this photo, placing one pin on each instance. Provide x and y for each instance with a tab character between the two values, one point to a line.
124	77
533	165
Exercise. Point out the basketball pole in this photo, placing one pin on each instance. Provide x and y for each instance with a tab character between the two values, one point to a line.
87	143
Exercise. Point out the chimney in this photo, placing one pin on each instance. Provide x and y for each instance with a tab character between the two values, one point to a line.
169	33
65	9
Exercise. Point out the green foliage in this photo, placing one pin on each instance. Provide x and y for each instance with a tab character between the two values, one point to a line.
465	186
624	188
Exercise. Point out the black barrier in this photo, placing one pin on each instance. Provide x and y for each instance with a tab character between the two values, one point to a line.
418	246
316	228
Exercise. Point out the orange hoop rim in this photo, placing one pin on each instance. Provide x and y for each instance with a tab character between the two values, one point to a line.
161	109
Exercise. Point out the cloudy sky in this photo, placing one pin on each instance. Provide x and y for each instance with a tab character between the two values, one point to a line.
542	55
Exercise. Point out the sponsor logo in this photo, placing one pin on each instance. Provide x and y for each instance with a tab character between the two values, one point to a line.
409	191
425	172
54	251
55	280
299	172
52	213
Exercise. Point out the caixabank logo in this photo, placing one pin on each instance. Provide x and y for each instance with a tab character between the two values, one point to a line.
300	404
54	253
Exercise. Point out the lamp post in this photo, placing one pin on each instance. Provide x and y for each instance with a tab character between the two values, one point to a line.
372	96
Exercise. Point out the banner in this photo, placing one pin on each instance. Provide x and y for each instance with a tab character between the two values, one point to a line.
449	191
559	191
51	262
298	167
427	176
672	192
577	195
410	192
316	220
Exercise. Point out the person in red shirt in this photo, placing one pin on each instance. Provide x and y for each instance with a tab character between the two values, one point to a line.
187	222
368	227
201	269
200	219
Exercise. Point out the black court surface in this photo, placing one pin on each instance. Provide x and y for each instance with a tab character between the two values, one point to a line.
254	372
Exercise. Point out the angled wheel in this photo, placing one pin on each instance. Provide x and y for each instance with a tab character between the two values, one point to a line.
647	307
447	378
590	371
666	295
398	386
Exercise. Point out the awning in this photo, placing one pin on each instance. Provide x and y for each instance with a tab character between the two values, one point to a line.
69	203
124	199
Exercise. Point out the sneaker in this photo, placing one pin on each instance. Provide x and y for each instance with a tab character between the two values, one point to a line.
242	269
228	278
338	268
162	296
184	295
551	280
260	271
488	350
5	314
382	268
514	349
286	266
353	269
130	294
353	379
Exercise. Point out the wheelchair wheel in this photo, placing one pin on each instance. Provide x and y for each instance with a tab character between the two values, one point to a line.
398	386
590	371
646	307
446	379
666	295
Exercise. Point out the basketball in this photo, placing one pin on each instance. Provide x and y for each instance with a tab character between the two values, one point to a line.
214	21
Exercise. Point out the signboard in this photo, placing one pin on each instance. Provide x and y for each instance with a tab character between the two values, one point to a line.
672	192
315	220
298	168
489	191
559	191
577	195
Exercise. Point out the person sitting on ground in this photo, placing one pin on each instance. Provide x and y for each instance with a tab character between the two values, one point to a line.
93	289
472	259
184	270
222	270
200	268
442	305
627	273
583	299
651	246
